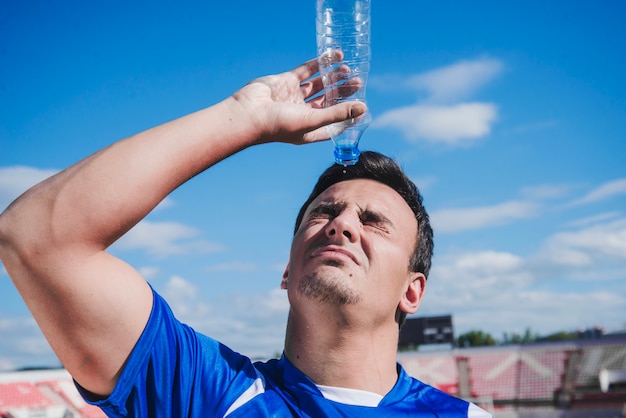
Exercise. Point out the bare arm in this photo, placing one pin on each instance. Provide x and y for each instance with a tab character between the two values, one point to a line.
91	306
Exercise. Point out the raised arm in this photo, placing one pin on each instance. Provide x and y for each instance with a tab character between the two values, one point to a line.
91	306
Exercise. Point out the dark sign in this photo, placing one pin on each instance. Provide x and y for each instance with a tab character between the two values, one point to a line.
427	330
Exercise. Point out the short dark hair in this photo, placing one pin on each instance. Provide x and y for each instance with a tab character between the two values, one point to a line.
375	166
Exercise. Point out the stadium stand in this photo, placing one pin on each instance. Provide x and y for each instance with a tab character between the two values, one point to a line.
539	377
15	398
585	389
42	394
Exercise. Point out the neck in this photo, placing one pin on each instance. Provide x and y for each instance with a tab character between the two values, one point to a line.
335	352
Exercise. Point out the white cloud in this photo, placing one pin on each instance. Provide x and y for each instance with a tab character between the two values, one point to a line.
165	238
424	183
177	287
488	261
276	301
574	280
458	124
594	219
546	191
498	292
605	191
456	81
565	256
16	180
543	312
182	297
7	364
583	247
279	267
443	116
23	344
35	345
456	220
166	203
467	274
476	287
261	319
149	272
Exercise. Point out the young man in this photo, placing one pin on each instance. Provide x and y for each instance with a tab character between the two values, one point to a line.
358	265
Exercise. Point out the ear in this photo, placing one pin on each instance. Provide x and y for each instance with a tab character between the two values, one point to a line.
413	294
285	280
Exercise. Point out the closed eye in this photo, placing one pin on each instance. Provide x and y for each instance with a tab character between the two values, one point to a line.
375	219
325	211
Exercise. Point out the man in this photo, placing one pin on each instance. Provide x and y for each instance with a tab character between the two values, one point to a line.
358	265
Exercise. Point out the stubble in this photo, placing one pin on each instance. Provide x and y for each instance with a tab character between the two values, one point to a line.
325	289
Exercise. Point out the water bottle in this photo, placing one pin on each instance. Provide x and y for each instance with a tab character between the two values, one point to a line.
343	51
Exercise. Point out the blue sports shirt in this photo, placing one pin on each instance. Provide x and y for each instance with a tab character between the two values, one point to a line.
174	371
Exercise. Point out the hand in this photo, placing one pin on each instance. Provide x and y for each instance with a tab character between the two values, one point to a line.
287	107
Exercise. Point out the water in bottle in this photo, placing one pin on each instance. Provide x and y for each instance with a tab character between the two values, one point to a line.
343	50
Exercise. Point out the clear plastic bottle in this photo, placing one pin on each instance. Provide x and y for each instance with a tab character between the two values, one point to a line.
343	50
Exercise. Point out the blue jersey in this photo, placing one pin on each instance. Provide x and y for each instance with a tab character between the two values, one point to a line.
174	371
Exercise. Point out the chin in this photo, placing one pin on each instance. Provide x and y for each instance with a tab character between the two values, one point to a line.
328	288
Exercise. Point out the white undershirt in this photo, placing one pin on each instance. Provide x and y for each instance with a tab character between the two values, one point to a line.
350	396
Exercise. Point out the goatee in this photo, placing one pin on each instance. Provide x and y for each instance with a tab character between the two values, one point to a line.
327	290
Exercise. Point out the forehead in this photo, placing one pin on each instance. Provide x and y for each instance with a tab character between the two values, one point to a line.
367	195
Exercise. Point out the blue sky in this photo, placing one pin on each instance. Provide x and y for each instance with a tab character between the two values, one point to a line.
511	118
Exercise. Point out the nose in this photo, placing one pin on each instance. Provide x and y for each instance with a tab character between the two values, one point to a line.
344	225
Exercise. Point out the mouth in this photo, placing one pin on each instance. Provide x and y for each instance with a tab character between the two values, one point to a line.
334	252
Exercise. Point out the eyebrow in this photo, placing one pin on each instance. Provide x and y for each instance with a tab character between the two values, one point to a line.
328	208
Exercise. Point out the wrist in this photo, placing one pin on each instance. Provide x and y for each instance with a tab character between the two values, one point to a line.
246	118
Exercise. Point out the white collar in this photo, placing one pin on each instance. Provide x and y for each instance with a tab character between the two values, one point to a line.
350	396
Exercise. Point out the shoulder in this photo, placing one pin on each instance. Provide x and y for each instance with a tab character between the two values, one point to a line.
427	397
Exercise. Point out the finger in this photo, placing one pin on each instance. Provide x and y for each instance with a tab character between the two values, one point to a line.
350	87
338	113
330	57
345	83
317	101
317	135
311	67
312	87
345	89
306	70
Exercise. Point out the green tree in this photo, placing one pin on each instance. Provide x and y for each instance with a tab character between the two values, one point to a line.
475	338
527	337
561	336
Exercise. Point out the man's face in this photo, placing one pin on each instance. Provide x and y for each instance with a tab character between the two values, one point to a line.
353	248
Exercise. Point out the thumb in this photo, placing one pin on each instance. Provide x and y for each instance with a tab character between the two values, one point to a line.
345	111
333	114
